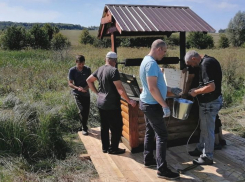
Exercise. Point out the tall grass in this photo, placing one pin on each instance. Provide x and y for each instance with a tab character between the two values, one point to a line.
38	113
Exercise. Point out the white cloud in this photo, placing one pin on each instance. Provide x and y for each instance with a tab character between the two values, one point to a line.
34	1
20	14
225	5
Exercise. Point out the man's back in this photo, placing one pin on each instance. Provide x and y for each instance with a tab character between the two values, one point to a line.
108	96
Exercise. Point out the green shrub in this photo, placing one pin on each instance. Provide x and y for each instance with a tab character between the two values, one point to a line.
199	40
60	42
85	37
14	38
223	41
40	39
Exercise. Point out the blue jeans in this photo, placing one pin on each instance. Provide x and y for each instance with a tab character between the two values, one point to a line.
207	115
155	127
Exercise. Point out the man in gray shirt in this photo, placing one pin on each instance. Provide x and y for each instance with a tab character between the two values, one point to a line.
109	94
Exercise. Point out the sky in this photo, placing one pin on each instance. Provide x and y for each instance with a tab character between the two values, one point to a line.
216	13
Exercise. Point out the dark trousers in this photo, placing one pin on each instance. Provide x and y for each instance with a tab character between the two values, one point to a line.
110	120
83	105
155	127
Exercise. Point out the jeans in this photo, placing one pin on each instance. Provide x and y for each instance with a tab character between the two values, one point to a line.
83	105
155	127
110	120
207	114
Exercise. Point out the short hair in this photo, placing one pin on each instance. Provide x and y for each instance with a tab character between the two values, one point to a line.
190	54
158	43
80	58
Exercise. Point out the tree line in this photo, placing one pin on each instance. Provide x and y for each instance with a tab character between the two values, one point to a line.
61	26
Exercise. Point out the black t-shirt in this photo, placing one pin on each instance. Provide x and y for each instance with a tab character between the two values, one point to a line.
210	71
195	71
108	96
79	79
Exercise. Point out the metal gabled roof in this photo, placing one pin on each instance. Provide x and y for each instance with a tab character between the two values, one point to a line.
149	18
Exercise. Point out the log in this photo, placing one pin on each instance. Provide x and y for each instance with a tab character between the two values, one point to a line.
124	103
141	127
141	120
181	129
174	136
125	122
124	108
176	122
126	129
125	135
125	115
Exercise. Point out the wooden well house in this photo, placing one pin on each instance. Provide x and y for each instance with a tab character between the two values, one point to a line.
146	20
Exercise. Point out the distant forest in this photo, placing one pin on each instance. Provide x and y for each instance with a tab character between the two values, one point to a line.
61	26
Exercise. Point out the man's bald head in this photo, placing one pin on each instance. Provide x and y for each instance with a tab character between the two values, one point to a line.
158	43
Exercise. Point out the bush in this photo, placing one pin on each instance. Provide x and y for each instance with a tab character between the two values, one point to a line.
199	40
40	39
14	38
223	41
60	42
85	37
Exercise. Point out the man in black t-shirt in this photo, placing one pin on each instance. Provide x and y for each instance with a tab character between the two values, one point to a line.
210	102
77	80
108	101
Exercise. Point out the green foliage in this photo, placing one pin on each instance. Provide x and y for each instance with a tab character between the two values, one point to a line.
40	38
199	40
60	42
85	37
223	41
236	29
14	38
51	31
233	87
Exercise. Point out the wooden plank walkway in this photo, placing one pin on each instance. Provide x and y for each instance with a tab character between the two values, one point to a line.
229	163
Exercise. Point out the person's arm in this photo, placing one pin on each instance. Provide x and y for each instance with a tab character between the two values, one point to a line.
203	90
123	93
152	85
71	84
90	80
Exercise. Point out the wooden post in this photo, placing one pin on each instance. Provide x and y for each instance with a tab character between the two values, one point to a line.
182	50
133	126
113	44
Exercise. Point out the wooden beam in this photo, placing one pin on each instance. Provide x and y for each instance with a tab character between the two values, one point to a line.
101	32
182	50
118	28
106	19
111	30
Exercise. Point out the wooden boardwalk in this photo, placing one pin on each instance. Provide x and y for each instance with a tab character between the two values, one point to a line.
229	163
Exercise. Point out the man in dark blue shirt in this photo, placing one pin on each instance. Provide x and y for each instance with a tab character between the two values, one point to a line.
77	80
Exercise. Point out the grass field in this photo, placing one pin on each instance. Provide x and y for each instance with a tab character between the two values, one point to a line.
38	116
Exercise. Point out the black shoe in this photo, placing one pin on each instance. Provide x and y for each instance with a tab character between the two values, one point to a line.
203	161
217	146
151	163
222	142
118	151
105	151
195	152
84	132
167	174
